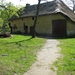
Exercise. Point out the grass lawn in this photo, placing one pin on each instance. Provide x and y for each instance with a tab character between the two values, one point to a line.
17	54
66	64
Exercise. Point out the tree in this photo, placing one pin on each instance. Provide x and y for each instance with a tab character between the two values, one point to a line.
70	4
7	10
6	14
1	22
36	17
73	1
35	21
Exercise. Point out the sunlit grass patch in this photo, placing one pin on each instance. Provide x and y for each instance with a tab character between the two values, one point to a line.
66	63
18	53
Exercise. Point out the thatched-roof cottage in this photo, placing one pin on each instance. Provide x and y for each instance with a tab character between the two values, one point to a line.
55	18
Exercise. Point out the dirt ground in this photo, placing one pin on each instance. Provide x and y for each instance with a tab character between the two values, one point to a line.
47	55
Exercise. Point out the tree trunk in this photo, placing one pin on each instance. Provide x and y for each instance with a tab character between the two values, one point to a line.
35	21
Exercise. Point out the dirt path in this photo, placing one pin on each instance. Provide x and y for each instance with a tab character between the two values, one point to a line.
47	55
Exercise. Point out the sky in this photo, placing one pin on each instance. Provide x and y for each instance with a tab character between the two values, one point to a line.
24	2
31	2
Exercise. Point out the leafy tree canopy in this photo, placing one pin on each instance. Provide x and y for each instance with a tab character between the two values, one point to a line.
7	10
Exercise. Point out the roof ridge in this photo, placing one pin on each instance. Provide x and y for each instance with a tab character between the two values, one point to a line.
56	6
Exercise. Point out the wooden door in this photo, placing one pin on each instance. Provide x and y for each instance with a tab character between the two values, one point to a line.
59	28
31	30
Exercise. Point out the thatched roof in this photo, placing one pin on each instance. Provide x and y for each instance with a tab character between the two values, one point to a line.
56	6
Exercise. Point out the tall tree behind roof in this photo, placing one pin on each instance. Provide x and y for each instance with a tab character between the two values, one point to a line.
70	4
35	21
73	1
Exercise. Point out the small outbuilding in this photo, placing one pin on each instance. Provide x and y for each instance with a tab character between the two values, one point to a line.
55	19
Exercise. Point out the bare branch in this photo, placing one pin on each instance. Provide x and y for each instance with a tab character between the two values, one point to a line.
2	6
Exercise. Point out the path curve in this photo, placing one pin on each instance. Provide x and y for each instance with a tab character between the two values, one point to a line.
48	54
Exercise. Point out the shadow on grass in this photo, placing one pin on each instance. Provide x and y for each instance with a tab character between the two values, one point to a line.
45	37
18	42
51	37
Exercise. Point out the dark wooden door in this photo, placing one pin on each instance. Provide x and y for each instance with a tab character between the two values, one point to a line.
59	28
31	30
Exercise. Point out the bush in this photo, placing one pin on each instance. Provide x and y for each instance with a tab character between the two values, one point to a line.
71	35
5	31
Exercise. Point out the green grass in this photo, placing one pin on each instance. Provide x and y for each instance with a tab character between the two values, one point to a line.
17	54
66	64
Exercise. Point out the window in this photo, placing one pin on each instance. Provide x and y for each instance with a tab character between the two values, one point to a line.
32	18
25	27
14	27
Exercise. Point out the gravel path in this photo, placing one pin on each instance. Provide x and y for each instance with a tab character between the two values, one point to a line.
47	55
